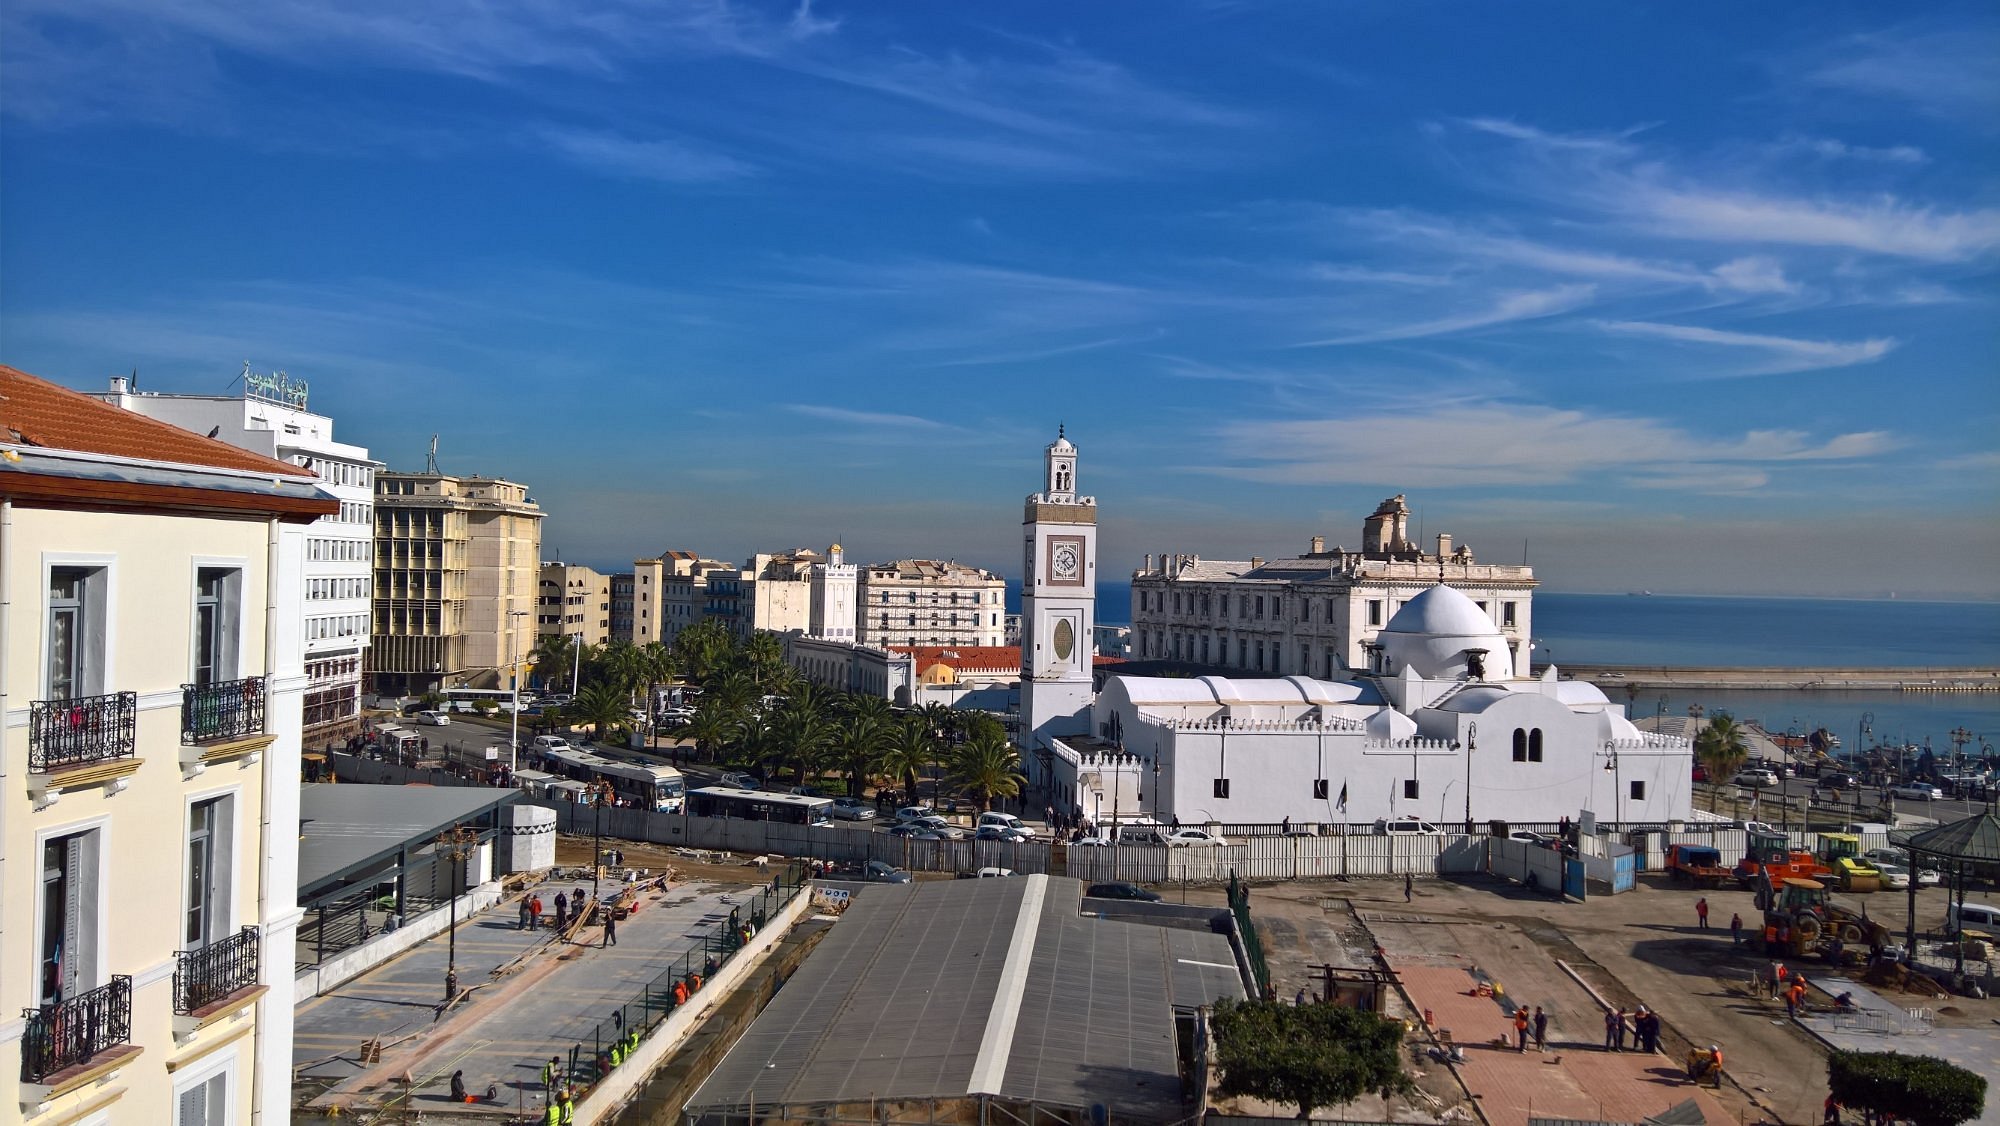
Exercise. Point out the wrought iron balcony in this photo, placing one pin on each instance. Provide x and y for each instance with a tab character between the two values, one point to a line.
203	977
81	730
71	1033
225	709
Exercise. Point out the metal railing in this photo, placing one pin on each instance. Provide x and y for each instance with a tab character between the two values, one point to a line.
203	977
82	730
69	1033
223	709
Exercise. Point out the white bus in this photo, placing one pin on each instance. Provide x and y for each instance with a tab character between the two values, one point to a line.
760	805
646	785
465	700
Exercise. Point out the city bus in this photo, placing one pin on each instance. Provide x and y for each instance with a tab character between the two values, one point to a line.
465	699
760	805
645	785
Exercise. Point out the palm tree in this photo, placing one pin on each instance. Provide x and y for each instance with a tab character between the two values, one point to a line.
799	736
703	648
1720	747
553	658
714	726
988	766
764	655
906	753
657	665
602	704
623	665
863	730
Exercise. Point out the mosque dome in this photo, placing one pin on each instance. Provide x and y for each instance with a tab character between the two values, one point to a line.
1436	632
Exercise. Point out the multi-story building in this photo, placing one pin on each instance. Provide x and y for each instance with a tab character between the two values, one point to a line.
270	418
574	601
798	590
151	662
1316	614
931	602
622	586
669	593
457	572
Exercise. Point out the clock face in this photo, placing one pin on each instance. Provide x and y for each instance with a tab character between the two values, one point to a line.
1065	640
1063	561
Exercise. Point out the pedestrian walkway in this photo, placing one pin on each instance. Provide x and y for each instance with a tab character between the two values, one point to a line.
1881	1024
547	996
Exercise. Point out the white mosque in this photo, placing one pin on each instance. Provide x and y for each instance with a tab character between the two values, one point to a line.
1443	730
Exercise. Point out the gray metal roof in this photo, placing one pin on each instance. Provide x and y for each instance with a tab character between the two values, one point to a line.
943	989
345	828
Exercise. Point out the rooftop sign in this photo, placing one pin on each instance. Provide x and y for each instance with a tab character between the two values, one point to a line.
275	387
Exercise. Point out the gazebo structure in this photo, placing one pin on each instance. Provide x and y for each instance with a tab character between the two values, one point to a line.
1957	848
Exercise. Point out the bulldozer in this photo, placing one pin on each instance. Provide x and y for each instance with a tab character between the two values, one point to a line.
1841	852
1816	926
1771	857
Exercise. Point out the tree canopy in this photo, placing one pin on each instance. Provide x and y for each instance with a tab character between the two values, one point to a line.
1308	1056
1921	1089
1720	746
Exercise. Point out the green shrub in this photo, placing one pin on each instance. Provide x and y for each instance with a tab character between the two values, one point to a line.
1920	1089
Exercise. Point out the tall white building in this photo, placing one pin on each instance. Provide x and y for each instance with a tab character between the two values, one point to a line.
270	418
931	602
153	682
835	598
1058	601
1316	614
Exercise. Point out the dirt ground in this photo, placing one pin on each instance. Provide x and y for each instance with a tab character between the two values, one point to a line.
722	868
1640	947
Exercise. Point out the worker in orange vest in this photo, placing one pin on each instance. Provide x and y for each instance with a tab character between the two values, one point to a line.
1521	1029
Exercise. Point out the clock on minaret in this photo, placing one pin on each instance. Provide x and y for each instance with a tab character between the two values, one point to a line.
1058	600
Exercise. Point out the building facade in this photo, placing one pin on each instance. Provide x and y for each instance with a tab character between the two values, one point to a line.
574	601
154	676
457	574
622	606
1316	614
1445	731
270	418
669	594
1058	601
931	602
843	666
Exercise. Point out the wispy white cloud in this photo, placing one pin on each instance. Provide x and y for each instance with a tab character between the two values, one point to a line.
1030	355
876	419
667	160
1944	69
1827	148
1754	274
1341	272
1789	353
1542	138
1496	444
1505	309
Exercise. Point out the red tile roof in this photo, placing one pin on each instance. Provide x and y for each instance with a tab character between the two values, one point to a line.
35	412
963	656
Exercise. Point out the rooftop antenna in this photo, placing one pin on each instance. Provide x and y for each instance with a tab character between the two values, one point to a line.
243	378
431	465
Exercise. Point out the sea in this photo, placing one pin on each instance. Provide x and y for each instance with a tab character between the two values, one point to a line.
1711	630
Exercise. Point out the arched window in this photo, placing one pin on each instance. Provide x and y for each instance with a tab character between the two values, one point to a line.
1535	745
1520	745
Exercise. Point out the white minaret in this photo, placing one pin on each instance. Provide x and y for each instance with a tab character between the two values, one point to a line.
1058	601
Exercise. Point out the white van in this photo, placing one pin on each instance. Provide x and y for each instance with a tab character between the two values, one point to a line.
550	743
1981	917
1141	834
1001	821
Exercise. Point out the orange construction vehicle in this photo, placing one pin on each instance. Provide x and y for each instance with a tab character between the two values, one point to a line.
1771	856
1699	865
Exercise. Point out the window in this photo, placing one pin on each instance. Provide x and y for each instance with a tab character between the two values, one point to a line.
1535	745
1520	744
1638	790
1319	789
75	632
215	624
204	1102
1222	787
1507	613
207	876
67	945
1374	611
1410	788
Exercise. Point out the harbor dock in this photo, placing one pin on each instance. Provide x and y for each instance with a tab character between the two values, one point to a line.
1639	678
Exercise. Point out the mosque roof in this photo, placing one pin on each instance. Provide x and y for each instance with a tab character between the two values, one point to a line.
1442	611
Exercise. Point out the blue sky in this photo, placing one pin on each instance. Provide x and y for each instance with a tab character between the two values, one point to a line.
1686	297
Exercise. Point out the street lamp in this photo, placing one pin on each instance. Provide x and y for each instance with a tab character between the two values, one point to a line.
599	791
455	844
1617	794
514	681
1471	744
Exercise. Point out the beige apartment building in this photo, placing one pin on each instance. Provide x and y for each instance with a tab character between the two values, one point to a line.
931	602
670	593
153	679
574	601
457	574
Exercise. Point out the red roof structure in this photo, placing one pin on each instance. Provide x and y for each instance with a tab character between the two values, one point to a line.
36	412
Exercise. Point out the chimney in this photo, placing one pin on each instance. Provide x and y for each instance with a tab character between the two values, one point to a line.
1149	562
1255	562
1444	544
1319	545
117	385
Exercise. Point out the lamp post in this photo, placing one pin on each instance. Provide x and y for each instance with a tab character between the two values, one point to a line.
1617	795
455	844
599	791
1471	744
514	681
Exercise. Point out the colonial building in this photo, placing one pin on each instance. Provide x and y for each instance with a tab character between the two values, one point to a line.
1315	614
931	602
574	601
844	666
669	593
1444	730
150	619
622	605
457	573
270	418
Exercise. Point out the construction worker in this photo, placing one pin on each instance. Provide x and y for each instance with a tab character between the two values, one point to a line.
1521	1030
680	994
550	1071
1715	1064
568	1109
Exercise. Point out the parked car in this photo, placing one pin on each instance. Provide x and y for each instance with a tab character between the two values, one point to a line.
853	809
879	872
1004	821
1182	838
1002	833
1540	840
911	813
987	873
1122	890
550	743
1754	778
1881	856
1892	875
916	832
1917	791
1700	773
945	830
434	718
1838	781
738	779
1098	841
1392	826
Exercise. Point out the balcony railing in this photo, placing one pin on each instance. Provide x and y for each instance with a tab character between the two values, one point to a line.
226	709
81	730
73	1032
203	977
